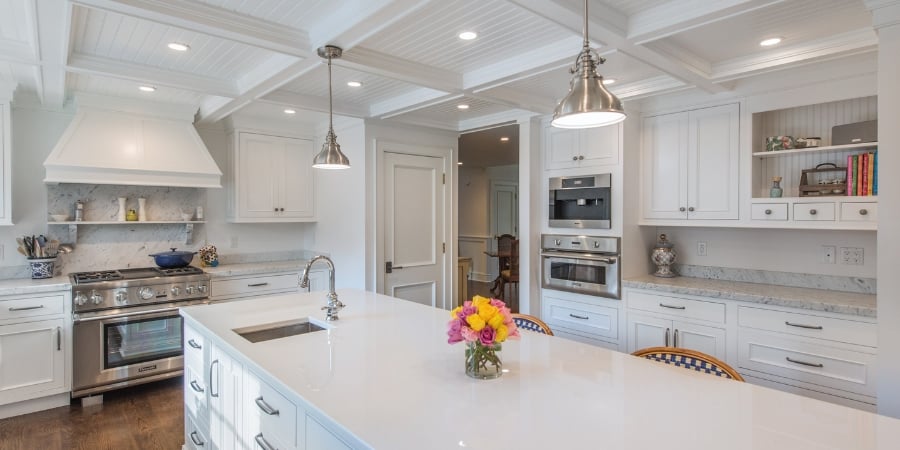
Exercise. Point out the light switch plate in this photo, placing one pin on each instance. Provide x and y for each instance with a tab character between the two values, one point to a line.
828	254
701	248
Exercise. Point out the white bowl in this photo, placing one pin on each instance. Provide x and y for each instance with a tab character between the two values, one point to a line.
60	217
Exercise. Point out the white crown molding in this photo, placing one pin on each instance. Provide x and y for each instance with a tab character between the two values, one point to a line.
96	65
495	118
428	123
650	86
843	44
674	17
312	103
213	21
411	101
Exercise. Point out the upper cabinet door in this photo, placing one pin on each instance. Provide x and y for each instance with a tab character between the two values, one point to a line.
298	194
5	168
664	168
713	163
600	145
562	148
258	170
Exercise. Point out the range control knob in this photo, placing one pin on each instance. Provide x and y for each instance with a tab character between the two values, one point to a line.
176	291
596	244
202	288
147	293
96	298
190	290
122	297
558	241
80	299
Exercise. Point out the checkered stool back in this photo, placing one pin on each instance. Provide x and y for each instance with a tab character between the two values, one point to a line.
531	323
690	359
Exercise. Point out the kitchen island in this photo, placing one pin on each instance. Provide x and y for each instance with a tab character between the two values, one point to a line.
384	377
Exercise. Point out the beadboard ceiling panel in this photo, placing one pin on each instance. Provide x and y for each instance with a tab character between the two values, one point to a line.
796	21
448	112
631	7
374	89
431	35
128	39
129	89
300	14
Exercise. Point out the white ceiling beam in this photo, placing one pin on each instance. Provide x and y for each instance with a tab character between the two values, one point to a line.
313	103
414	99
839	45
570	17
517	99
537	61
676	16
645	88
212	21
53	37
96	65
381	64
423	103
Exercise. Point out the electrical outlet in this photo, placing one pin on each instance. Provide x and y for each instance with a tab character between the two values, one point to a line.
852	256
234	242
828	254
701	248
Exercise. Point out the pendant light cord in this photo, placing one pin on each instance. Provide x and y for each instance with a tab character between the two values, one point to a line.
587	44
330	101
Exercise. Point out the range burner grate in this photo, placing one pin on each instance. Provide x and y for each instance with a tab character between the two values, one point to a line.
96	277
189	270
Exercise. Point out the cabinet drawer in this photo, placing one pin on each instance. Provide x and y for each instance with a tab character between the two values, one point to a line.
600	321
844	367
769	211
195	399
194	349
195	438
814	211
859	212
269	413
319	437
32	307
236	287
840	330
676	306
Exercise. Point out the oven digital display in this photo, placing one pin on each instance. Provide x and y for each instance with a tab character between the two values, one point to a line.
141	340
580	273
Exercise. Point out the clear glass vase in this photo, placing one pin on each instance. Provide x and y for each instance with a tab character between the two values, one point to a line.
483	361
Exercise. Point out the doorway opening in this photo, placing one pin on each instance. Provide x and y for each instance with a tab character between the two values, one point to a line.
488	214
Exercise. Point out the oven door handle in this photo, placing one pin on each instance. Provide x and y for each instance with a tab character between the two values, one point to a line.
585	256
155	312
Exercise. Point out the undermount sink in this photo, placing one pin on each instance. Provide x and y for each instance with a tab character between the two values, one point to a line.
277	330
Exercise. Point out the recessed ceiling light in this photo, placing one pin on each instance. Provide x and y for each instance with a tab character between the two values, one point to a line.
147	88
179	47
468	35
770	42
354	83
463	106
290	111
504	139
609	80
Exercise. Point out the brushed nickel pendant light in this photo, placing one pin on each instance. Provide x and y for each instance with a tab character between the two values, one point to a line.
331	156
588	104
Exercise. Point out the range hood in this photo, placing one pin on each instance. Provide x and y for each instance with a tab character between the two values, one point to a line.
131	142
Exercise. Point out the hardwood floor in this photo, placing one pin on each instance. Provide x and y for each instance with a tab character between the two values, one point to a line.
145	417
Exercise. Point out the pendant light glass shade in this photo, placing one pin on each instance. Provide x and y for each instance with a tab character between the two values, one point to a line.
588	103
331	156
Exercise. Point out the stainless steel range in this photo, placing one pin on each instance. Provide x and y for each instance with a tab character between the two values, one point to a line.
126	325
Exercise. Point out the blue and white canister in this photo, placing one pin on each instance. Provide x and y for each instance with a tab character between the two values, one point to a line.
41	267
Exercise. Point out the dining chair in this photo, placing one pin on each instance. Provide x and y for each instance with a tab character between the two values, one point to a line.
510	275
504	250
690	359
531	323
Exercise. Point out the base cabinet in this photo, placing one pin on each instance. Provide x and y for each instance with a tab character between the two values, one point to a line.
649	331
33	359
583	318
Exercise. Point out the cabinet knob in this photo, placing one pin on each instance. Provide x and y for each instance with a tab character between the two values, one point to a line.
681	209
281	209
768	212
863	212
812	212
276	209
691	209
574	158
580	157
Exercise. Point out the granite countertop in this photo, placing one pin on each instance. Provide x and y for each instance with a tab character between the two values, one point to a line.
18	286
254	268
769	294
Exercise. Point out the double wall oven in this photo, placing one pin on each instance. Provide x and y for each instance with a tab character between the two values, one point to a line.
582	264
126	325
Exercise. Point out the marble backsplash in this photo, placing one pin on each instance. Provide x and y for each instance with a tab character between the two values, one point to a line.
804	280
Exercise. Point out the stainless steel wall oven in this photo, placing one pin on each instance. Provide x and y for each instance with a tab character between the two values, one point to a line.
581	264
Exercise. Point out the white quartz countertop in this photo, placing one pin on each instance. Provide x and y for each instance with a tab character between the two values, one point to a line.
386	375
19	286
769	294
255	268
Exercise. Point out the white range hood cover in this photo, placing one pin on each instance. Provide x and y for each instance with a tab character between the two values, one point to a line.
119	141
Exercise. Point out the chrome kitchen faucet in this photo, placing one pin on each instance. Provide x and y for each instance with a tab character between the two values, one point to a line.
334	305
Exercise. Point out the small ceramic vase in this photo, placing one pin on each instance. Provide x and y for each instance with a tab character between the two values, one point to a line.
142	211
776	190
663	255
122	211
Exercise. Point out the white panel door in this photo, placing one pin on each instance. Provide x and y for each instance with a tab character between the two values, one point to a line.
504	208
298	195
414	228
562	148
664	167
32	359
713	168
706	339
647	331
600	145
259	169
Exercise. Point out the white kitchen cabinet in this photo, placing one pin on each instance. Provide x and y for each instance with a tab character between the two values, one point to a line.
239	286
690	165
583	318
566	149
271	179
5	164
655	320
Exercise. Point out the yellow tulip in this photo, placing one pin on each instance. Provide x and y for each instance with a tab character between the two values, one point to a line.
476	322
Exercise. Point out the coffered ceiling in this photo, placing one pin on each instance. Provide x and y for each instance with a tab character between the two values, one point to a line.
406	53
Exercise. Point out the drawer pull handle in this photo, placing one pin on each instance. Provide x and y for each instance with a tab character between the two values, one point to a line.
863	212
675	338
812	212
263	443
194	344
804	363
667	337
672	306
25	308
265	407
212	366
58	339
196	438
257	284
800	325
578	317
196	386
768	212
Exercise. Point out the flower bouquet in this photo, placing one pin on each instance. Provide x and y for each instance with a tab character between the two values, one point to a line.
209	256
483	324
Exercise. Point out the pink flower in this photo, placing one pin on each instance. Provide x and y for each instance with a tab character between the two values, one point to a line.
454	332
513	333
468	334
507	317
497	303
487	336
466	311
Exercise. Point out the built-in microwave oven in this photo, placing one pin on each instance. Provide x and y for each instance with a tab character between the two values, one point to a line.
581	202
